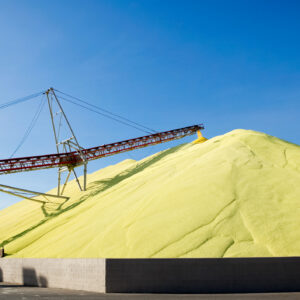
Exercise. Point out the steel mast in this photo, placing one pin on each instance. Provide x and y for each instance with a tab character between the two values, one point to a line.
67	145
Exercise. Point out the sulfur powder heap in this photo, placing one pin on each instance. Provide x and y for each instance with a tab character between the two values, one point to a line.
234	195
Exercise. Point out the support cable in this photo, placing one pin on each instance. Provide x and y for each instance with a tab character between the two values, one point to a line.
30	127
108	112
102	114
17	101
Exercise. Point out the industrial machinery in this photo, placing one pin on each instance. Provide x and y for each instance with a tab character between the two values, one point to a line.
71	155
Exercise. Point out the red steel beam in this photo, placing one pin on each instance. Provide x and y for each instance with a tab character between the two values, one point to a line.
72	159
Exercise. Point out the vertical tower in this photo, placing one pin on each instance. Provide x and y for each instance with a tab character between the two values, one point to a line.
65	141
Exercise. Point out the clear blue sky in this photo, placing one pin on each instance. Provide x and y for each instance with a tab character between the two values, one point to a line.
166	64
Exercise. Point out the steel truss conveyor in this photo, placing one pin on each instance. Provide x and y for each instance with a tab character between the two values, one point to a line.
74	159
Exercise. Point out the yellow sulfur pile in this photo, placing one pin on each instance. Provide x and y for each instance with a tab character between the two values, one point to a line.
234	195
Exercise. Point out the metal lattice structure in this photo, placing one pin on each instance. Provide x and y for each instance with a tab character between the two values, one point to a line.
71	155
68	145
73	159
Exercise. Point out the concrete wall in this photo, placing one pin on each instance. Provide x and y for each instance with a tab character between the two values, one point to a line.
76	274
214	275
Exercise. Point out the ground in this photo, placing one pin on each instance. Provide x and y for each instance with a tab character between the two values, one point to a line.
16	292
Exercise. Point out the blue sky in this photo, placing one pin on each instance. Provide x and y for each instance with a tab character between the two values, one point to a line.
165	64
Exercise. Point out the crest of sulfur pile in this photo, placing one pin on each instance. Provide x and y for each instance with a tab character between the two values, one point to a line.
234	195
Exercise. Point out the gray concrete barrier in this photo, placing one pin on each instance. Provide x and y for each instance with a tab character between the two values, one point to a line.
76	274
213	275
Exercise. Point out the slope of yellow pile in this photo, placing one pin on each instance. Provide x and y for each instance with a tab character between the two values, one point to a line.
234	195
